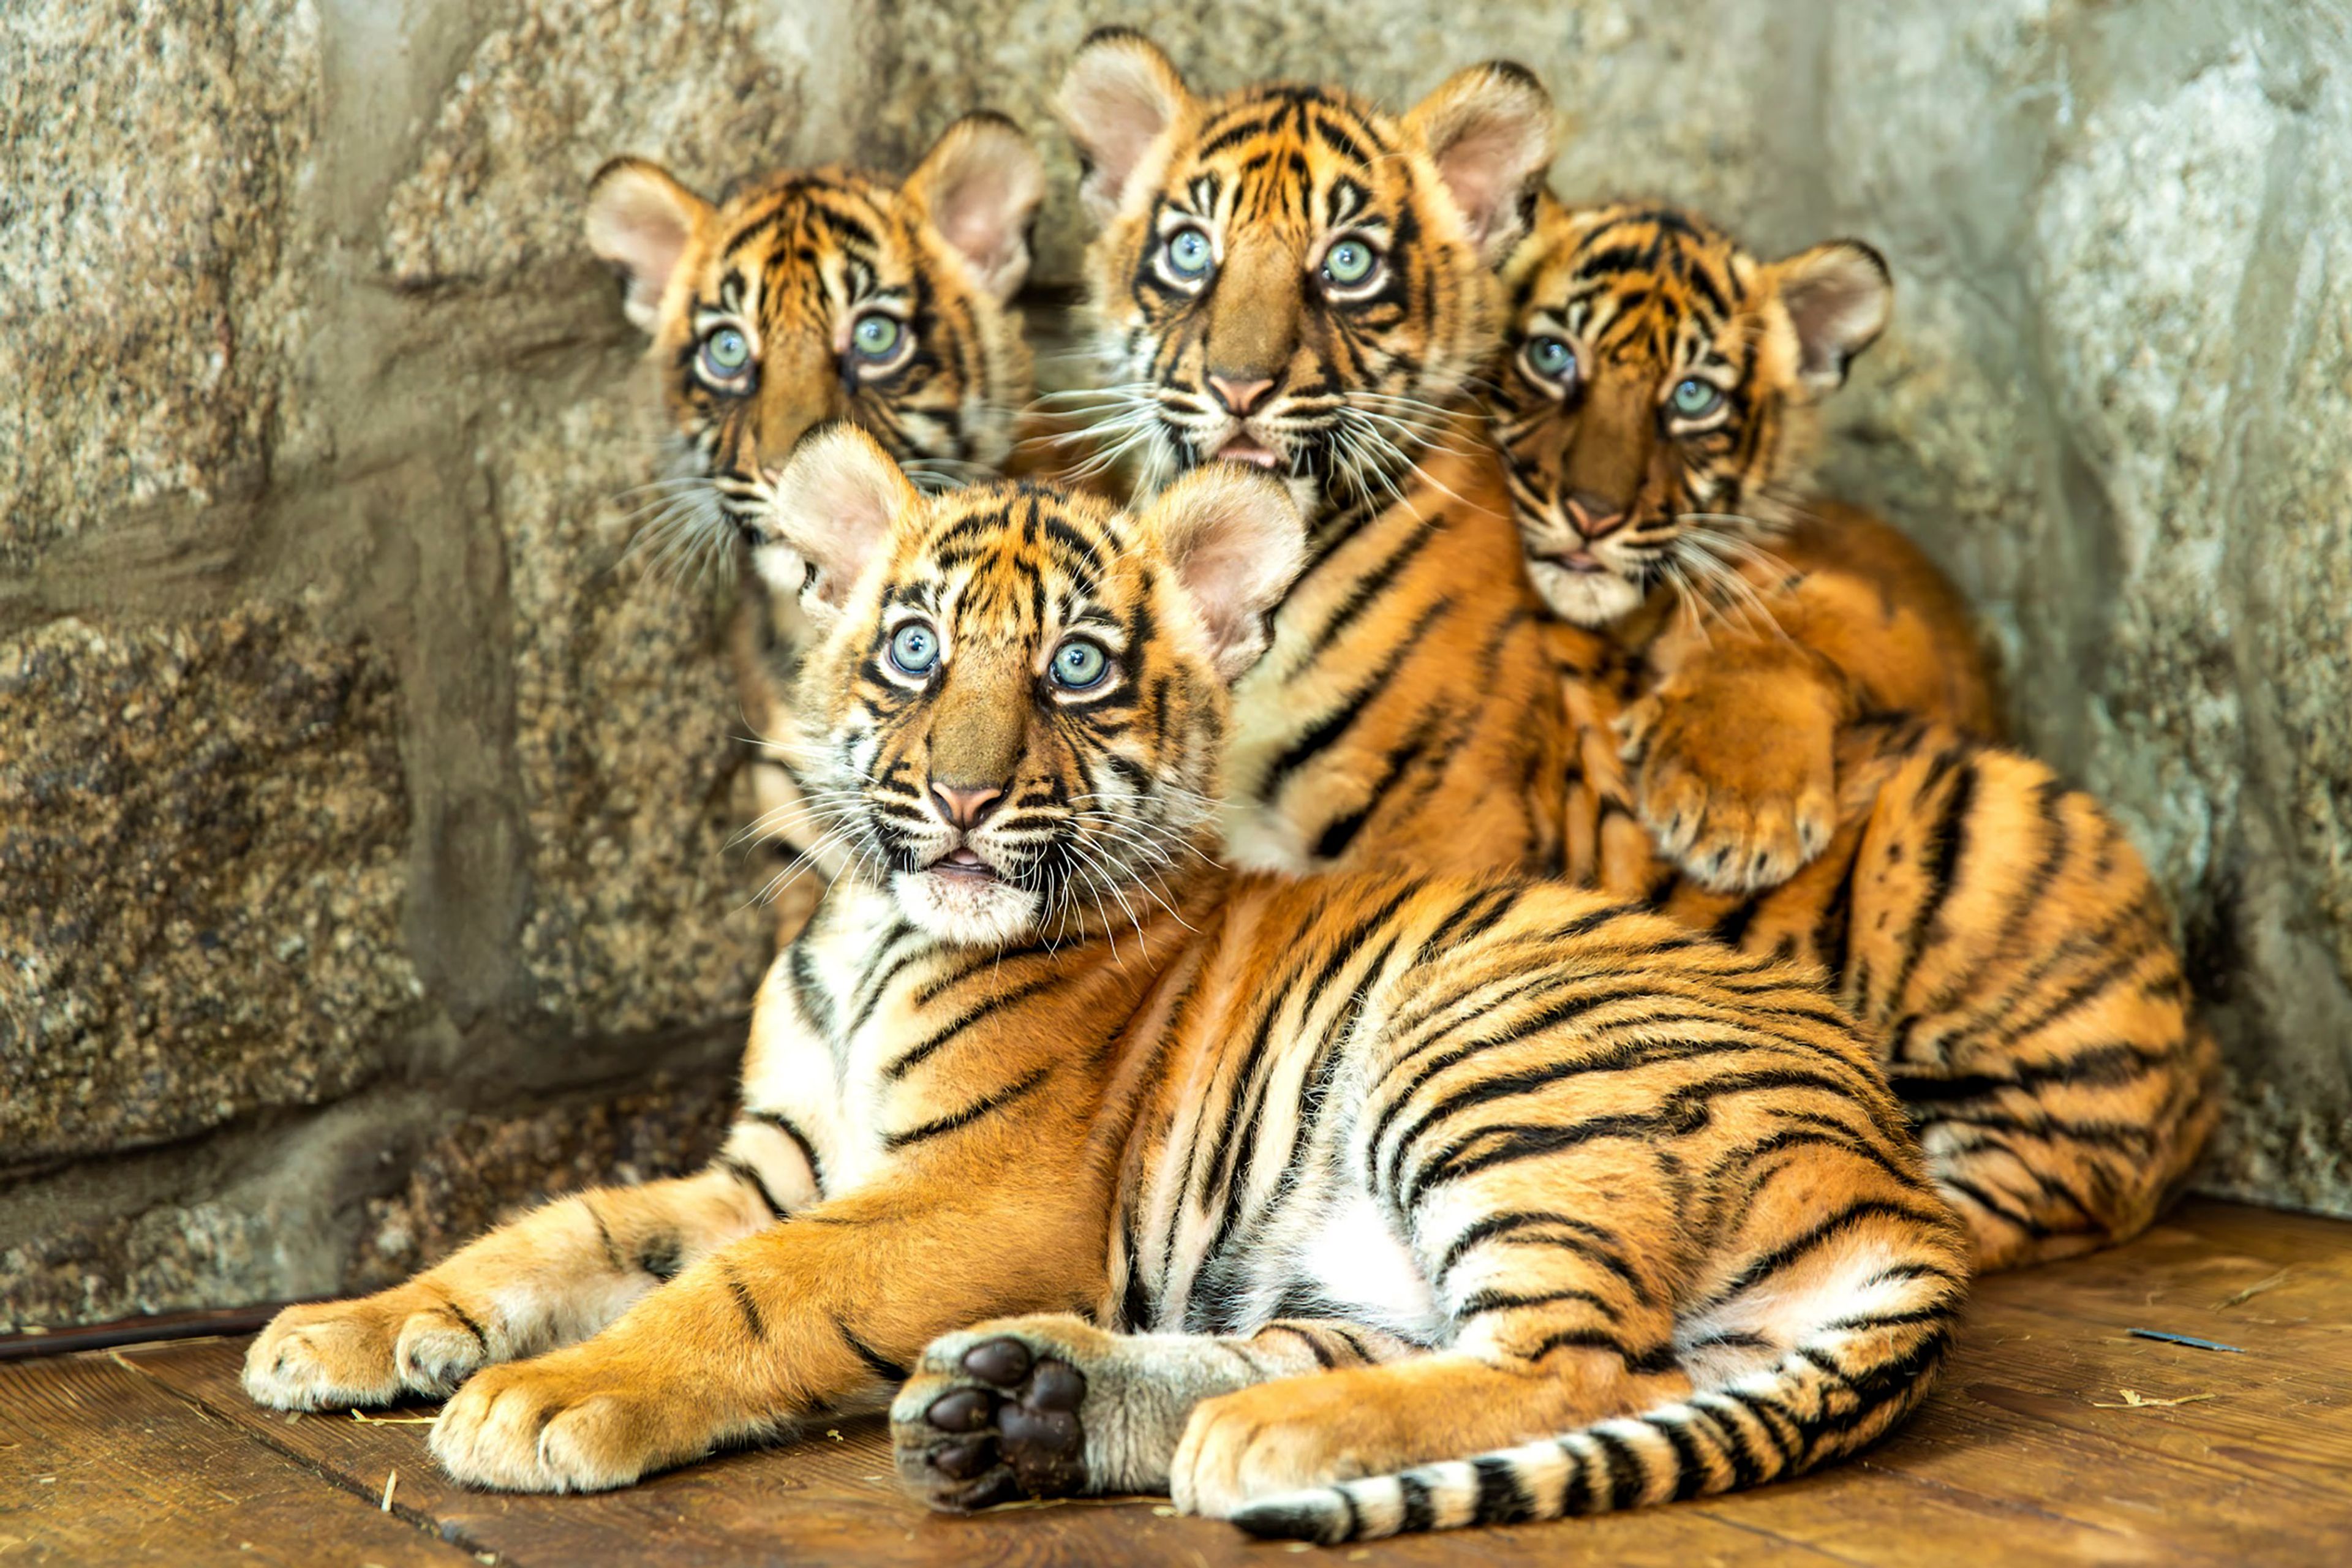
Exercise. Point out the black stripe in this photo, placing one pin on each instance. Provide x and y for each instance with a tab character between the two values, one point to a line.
971	1113
915	1056
1414	1491
887	1370
783	1124
1502	1499
743	1171
744	1302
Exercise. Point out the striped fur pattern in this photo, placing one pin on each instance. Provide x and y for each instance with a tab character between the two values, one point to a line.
1777	744
1478	1160
1998	935
1290	277
805	297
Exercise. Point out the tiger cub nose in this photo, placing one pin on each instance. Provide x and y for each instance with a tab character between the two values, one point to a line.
1594	516
1239	396
965	804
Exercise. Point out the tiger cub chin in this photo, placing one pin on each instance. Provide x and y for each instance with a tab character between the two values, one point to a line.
802	297
1291	276
1360	1182
1775	701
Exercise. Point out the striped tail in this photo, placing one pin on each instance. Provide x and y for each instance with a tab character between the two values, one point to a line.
1801	1413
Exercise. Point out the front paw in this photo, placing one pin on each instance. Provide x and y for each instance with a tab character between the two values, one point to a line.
997	1413
575	1421
1739	801
372	1351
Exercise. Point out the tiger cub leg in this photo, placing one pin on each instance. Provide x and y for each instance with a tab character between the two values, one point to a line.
555	1276
1048	1406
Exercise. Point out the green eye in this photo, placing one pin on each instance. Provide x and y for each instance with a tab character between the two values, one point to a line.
1189	253
1350	261
726	352
1694	398
1550	359
874	335
914	649
1079	664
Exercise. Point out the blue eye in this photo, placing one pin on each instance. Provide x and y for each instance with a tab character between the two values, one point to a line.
1694	399
1349	262
1550	359
1189	253
876	336
914	649
1079	664
725	351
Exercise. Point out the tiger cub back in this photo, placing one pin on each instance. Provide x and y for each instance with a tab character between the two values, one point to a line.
1290	276
1776	706
802	297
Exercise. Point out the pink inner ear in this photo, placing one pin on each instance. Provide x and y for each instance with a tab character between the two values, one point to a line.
645	235
1472	169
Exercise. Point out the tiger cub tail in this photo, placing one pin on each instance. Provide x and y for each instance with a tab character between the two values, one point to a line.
1830	1396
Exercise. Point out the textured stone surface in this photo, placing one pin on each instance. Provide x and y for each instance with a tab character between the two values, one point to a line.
713	89
486	1168
149	308
199	838
642	915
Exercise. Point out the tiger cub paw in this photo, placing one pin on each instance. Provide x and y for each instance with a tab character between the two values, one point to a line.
1736	788
576	1420
999	1411
372	1351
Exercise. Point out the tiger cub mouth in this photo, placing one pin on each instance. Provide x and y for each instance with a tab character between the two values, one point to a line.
964	865
1242	448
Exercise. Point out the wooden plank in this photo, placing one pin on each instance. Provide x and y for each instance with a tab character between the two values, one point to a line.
829	1500
99	1464
2017	1455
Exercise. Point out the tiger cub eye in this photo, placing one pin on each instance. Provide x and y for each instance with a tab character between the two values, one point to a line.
1694	398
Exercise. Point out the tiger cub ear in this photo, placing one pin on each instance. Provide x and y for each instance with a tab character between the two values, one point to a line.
838	502
1491	132
1839	297
1235	541
979	185
641	220
1120	96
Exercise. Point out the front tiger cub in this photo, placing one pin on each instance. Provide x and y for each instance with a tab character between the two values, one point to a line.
1420	1147
807	296
1771	700
1291	278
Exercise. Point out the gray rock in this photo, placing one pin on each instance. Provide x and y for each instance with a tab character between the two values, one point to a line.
199	837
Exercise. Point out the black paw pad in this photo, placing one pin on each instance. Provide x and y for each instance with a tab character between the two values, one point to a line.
965	1410
1002	1361
962	1461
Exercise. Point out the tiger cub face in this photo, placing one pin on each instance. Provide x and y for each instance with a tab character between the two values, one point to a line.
1016	703
826	294
1288	276
1655	408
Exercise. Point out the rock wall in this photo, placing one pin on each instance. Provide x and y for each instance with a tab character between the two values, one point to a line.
364	804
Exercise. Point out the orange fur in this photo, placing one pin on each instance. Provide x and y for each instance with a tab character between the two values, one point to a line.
1039	1054
1784	746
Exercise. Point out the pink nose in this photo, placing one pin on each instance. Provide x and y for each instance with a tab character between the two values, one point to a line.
1239	396
964	805
1593	517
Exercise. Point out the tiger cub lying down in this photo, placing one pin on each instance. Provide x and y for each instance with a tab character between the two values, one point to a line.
1538	1203
1774	699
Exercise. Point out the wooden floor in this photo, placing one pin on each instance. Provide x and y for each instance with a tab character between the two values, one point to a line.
2058	1435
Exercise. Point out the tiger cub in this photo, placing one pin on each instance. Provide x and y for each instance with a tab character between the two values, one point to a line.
1457	1161
1288	277
1775	702
813	295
